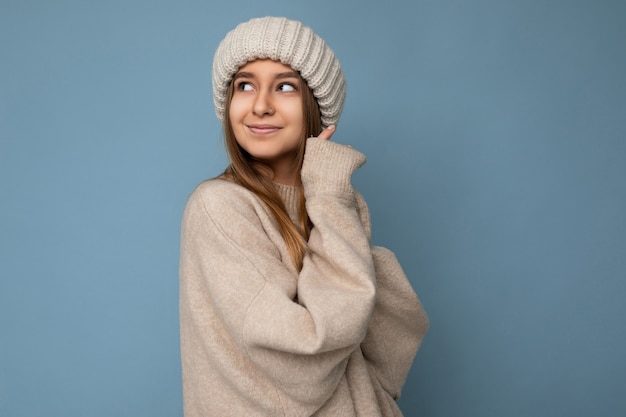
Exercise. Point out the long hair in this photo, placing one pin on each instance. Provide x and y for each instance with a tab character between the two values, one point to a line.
248	172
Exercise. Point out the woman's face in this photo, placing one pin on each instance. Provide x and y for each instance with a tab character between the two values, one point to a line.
266	112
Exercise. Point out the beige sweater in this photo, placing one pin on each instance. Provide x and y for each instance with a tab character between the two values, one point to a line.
259	338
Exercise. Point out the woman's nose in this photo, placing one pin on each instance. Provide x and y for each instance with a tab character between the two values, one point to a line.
262	104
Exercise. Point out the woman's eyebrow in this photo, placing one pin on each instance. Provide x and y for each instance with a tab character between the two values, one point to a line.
243	75
278	76
290	74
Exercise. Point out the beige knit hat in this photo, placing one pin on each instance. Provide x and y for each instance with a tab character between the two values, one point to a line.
291	43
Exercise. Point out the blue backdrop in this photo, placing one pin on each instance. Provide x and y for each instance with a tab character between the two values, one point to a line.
496	137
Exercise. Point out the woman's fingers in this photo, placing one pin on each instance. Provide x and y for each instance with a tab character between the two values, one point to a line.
327	133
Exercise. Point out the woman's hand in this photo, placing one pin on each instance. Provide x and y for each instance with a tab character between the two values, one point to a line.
327	133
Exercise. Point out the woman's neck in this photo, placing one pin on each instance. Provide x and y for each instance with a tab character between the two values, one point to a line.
282	173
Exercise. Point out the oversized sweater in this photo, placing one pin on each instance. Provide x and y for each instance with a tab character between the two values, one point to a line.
259	337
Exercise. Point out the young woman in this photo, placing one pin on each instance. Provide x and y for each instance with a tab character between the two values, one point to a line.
286	309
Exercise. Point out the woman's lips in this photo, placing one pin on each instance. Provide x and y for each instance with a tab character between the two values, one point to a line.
263	129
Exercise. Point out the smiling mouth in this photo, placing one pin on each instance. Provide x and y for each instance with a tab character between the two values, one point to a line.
263	129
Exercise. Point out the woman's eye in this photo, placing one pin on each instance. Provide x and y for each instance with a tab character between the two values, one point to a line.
244	86
286	87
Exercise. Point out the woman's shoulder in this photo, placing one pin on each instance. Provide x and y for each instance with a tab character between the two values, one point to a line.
217	186
221	197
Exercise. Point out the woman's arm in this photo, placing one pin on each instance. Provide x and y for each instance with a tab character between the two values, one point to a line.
398	323
230	262
397	327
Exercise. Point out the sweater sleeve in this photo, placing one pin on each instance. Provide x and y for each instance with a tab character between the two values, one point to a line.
297	328
397	326
398	323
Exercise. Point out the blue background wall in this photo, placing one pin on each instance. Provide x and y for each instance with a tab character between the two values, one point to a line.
496	137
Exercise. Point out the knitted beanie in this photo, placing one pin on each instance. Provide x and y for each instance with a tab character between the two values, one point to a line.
289	42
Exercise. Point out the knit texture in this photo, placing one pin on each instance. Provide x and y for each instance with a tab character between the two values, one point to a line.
258	337
291	43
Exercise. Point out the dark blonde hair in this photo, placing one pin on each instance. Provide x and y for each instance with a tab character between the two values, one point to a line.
246	171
